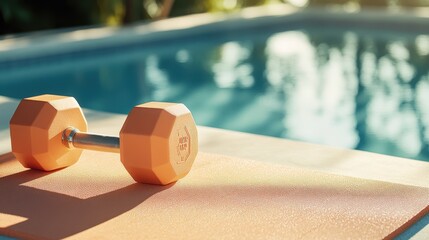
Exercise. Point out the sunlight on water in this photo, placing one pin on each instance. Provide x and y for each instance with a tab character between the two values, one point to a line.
230	70
422	44
314	110
157	78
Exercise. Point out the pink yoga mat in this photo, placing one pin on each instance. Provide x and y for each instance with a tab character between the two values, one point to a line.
221	198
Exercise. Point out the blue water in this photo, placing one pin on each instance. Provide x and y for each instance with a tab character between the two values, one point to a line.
357	89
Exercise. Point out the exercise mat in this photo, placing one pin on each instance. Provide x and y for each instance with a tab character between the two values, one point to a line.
221	198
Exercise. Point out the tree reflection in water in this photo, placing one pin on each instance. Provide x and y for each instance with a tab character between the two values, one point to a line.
342	89
339	88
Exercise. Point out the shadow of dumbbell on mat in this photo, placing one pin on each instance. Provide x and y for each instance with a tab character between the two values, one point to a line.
52	215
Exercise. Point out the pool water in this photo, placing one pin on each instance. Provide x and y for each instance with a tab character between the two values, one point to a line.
357	89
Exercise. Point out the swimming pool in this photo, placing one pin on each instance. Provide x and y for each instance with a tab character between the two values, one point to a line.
358	83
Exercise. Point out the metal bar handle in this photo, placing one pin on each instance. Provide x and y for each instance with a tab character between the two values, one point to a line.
73	138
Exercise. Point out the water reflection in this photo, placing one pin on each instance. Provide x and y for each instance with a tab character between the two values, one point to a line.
230	68
388	118
342	88
319	102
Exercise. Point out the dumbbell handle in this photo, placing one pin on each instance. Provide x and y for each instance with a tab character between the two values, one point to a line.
73	138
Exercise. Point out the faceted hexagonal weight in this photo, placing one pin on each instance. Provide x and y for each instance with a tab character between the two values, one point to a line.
159	142
36	129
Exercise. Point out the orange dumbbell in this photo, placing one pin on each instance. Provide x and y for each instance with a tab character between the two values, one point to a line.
158	141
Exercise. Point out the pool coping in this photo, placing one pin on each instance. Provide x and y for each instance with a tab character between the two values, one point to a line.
55	42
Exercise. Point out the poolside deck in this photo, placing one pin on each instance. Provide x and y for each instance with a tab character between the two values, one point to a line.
253	151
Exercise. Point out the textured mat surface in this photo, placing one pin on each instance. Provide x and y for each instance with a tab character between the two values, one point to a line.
222	197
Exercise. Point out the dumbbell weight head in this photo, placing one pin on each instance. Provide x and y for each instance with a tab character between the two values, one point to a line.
36	129
159	142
